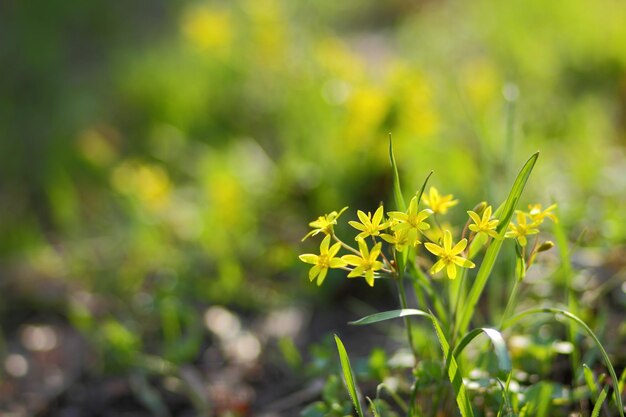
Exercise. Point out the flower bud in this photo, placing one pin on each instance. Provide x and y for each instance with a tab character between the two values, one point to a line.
480	207
545	246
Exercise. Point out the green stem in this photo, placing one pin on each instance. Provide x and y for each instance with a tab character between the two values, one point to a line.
510	305
407	322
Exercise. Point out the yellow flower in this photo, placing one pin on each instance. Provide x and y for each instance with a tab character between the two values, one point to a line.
537	215
439	203
324	224
449	256
369	226
366	264
326	259
401	239
522	229
485	224
410	222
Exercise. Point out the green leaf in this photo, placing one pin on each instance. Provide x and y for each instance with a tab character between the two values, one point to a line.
388	315
397	191
491	255
454	372
373	407
348	376
572	317
590	380
421	191
499	346
598	406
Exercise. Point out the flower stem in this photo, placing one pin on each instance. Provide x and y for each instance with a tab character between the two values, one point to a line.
347	247
510	305
407	322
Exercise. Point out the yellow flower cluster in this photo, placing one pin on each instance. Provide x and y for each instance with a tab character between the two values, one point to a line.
528	222
405	230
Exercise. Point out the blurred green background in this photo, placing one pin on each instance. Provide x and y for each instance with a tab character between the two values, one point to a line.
157	158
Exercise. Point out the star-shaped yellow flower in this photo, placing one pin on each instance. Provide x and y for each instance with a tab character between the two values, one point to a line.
410	222
326	259
369	225
401	239
485	224
439	203
522	229
537	215
448	255
366	264
324	224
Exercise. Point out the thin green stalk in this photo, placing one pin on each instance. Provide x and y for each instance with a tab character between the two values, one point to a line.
407	322
510	305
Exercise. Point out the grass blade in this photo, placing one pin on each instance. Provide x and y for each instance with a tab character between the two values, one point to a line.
388	315
397	191
421	191
452	368
491	255
572	317
598	406
348	375
499	346
454	372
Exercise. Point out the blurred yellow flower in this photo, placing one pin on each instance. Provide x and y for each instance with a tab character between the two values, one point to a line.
149	183
538	216
485	224
326	259
448	255
439	203
324	224
366	264
209	29
522	229
369	225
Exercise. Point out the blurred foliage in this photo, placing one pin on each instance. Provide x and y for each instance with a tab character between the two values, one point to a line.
157	157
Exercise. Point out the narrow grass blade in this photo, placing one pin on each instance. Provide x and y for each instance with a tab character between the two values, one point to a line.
598	406
499	346
388	315
373	407
397	191
491	255
454	372
348	375
452	368
590	381
421	191
572	317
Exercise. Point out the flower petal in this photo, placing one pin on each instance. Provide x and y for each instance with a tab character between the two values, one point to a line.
378	216
334	249
352	260
313	272
459	247
447	240
369	277
465	263
321	276
337	263
475	217
356	225
438	266
309	258
365	219
451	270
433	248
324	245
